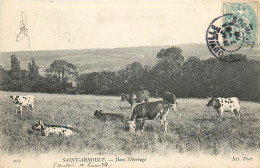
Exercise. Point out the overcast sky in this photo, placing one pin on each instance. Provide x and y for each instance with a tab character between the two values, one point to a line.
81	25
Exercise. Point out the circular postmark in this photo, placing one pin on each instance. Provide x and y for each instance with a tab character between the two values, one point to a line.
228	37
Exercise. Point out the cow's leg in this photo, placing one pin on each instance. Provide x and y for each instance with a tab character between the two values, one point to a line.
237	113
21	109
161	120
32	107
164	124
16	109
219	115
161	117
142	124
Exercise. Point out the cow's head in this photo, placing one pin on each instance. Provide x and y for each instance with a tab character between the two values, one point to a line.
132	126
97	113
39	126
213	102
173	106
210	101
14	98
124	97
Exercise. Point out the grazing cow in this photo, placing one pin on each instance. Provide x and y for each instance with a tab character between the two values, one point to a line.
135	96
21	101
109	116
225	104
46	130
170	97
149	111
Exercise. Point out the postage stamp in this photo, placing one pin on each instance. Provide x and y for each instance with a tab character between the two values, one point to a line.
245	15
236	32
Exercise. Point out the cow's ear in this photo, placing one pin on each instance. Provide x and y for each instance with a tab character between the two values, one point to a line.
209	97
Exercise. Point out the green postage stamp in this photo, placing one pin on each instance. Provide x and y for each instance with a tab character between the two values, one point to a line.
236	32
245	16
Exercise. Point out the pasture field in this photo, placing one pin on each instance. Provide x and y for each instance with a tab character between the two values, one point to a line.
193	128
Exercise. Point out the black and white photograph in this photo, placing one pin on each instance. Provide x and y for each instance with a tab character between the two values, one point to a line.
129	84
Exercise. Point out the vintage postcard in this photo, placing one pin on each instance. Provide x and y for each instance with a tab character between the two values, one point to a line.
129	84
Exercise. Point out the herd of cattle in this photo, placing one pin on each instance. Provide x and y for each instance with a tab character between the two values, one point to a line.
144	110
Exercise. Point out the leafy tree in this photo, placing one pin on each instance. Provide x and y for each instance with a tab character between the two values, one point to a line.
168	70
191	79
95	82
33	70
62	70
170	60
16	73
131	77
15	64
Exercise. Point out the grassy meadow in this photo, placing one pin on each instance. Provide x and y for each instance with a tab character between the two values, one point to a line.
193	128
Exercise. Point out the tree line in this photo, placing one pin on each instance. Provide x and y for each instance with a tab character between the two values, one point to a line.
192	77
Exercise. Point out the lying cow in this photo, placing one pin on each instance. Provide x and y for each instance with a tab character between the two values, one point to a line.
150	111
22	101
47	130
135	97
170	97
109	116
225	104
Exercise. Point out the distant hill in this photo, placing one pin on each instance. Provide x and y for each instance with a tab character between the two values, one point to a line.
89	60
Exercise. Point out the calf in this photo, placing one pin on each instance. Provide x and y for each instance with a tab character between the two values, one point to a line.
109	116
149	111
135	96
225	104
46	130
170	97
21	101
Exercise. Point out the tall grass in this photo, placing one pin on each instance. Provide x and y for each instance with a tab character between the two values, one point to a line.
193	128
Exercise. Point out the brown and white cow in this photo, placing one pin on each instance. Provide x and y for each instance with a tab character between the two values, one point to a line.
22	101
149	111
225	105
135	97
170	97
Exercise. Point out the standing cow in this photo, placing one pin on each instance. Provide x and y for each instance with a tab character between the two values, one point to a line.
135	97
22	101
170	97
225	104
149	111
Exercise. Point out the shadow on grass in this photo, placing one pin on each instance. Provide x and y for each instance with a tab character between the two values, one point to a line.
125	108
205	119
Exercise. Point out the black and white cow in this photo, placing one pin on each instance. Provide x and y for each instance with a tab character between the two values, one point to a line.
22	101
47	130
225	105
